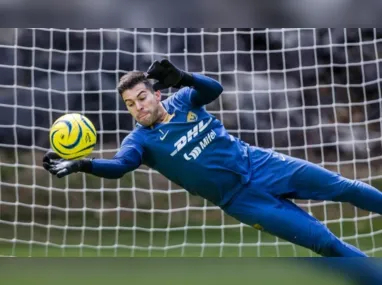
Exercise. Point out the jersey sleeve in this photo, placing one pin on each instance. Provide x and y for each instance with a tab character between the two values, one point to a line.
131	143
128	158
181	99
204	91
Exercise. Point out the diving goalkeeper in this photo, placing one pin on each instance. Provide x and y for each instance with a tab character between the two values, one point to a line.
181	140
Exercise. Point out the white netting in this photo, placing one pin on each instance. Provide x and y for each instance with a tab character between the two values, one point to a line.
310	93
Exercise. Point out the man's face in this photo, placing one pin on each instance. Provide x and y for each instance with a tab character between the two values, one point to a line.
142	104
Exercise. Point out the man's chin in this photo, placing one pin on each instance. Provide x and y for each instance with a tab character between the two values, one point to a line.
145	123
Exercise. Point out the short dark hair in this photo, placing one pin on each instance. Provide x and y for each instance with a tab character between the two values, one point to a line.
131	79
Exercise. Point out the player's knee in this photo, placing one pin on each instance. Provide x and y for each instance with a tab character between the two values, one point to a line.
329	246
347	189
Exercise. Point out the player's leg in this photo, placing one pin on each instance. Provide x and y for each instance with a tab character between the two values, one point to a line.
310	181
282	218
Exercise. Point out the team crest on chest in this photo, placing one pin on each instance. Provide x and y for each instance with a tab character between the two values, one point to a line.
191	117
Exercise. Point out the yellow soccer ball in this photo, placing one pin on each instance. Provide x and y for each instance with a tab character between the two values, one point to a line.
73	136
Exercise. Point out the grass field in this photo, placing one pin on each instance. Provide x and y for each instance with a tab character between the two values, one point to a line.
147	244
227	243
165	271
37	241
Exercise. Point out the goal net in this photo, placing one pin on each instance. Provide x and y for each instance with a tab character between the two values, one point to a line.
310	93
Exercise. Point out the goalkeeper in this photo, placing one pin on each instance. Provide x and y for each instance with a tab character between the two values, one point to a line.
180	139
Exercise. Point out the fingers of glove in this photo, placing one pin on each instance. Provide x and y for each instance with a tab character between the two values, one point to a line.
166	63
50	155
155	71
45	158
56	166
62	173
153	65
165	72
161	70
56	170
46	165
53	170
55	162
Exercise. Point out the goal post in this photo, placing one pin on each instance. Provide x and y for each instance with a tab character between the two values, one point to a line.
310	93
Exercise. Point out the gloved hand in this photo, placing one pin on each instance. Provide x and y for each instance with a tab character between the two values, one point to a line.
168	75
53	163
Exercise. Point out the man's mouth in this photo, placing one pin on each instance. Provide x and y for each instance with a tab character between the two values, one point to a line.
142	115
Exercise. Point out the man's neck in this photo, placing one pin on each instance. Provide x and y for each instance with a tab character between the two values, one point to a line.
162	114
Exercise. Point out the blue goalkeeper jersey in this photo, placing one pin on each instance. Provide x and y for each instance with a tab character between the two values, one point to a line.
192	149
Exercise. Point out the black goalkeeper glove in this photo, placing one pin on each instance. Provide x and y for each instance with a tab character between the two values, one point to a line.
53	163
168	75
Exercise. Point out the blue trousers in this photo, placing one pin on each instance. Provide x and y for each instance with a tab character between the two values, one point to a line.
264	202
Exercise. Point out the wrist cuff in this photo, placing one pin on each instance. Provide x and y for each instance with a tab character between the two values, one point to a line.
86	165
187	79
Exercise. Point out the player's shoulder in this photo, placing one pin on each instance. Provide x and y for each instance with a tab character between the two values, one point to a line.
136	136
180	100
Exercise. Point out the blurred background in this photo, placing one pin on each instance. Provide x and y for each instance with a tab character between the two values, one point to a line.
310	93
199	14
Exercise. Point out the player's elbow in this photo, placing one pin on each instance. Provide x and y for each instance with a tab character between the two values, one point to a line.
215	93
216	88
219	89
207	86
116	175
121	168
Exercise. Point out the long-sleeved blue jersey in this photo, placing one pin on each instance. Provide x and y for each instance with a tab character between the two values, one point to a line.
192	149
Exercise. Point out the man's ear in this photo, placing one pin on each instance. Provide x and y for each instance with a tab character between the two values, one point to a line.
158	95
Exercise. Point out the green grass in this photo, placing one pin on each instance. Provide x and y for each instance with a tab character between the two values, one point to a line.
157	243
189	270
180	243
165	271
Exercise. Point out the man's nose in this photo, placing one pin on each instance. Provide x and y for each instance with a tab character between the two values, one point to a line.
139	106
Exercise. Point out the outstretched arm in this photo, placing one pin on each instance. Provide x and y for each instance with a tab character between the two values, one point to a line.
204	89
127	159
